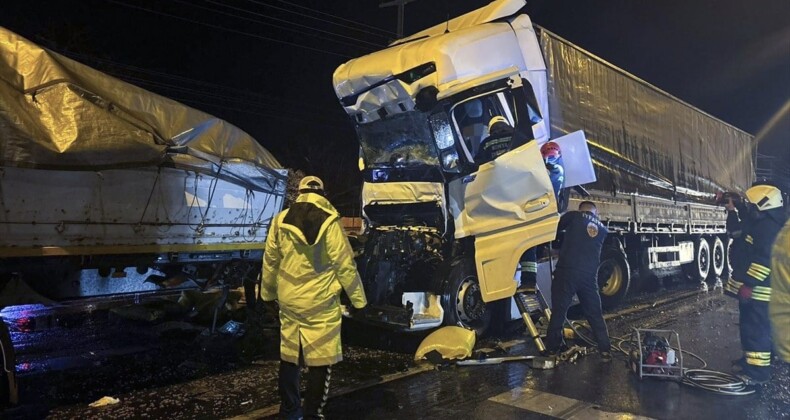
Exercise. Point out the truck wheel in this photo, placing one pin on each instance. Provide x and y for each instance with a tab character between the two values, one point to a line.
699	269
727	262
718	257
614	277
462	299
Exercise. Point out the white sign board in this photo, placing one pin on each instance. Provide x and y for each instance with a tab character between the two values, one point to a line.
576	159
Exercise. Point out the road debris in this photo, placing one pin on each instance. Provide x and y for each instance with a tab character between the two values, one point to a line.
104	401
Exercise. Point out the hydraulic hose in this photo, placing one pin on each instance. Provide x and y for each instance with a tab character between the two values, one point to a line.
714	381
710	380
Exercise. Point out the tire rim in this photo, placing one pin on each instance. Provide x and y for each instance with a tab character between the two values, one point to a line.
469	302
703	262
615	281
718	258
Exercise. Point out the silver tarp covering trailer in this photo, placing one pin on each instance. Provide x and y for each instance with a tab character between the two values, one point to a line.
642	139
56	113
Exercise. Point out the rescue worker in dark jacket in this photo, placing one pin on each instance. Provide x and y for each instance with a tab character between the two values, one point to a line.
552	157
737	226
497	142
766	217
307	262
576	273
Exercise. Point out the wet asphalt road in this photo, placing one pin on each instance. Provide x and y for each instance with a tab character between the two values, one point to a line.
167	369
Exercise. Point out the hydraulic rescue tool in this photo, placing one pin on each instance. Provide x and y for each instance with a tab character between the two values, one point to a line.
525	299
655	354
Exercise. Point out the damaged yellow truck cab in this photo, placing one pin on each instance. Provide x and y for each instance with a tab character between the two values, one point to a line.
450	121
446	228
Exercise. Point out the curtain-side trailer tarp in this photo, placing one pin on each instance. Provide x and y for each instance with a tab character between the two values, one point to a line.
642	139
56	113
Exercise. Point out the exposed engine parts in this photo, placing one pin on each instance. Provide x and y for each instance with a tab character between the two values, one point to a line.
400	260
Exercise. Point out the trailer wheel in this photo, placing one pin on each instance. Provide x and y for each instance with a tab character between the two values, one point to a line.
614	277
699	269
718	258
462	299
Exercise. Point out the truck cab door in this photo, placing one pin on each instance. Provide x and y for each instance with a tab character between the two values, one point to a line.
508	206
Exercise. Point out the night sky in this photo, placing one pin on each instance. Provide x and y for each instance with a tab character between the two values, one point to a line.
266	66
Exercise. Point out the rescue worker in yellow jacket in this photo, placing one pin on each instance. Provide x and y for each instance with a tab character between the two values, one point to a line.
753	282
307	262
779	308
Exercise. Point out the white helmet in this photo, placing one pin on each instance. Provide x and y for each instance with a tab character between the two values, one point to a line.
765	197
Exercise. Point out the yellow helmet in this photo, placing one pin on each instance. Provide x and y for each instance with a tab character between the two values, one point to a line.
311	184
765	197
497	120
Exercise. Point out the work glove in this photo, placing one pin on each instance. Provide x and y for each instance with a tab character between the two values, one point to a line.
744	293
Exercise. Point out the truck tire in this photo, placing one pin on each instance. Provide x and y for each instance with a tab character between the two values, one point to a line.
699	269
614	276
718	258
462	300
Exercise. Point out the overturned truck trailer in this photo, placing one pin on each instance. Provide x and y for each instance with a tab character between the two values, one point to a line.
104	185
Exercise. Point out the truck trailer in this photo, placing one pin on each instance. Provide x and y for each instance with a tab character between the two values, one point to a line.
445	230
106	188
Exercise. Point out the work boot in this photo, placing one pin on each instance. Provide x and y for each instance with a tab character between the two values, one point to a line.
738	365
749	381
554	352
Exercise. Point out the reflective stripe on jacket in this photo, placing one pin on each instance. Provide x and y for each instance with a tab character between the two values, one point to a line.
307	262
759	241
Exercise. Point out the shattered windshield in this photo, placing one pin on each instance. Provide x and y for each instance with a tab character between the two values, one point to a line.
399	141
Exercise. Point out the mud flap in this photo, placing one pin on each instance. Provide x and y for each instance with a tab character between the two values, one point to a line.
451	343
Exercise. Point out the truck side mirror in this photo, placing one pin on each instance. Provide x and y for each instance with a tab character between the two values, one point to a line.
426	98
468	167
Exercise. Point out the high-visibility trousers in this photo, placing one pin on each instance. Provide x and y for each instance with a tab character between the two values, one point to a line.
755	329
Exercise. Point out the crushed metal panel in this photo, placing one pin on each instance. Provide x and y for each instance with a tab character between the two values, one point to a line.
458	56
498	9
386	193
508	205
509	190
402	192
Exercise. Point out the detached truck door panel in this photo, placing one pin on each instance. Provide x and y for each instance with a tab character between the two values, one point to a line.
508	205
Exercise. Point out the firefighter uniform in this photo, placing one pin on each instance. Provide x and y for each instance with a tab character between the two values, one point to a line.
737	222
307	262
753	282
736	230
576	273
779	307
498	141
